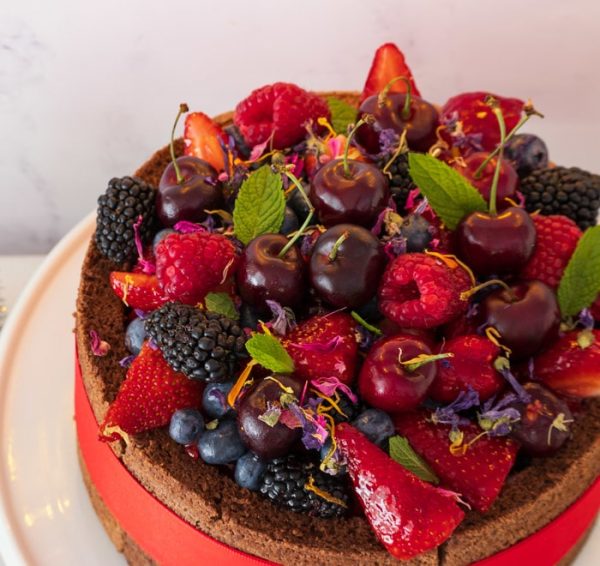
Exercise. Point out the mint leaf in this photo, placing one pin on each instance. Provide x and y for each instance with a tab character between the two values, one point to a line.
401	451
221	303
260	205
450	195
342	114
269	353
580	283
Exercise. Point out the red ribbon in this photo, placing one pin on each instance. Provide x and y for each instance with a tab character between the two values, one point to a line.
169	540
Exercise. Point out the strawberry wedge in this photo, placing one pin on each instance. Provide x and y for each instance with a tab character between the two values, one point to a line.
203	138
478	474
388	63
138	290
408	515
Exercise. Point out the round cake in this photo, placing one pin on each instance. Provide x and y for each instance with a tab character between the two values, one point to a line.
203	499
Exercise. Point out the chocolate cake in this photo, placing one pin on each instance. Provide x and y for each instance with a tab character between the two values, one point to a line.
206	497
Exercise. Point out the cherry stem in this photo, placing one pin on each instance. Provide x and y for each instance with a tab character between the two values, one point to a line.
336	247
529	112
183	108
468	294
493	104
415	363
308	218
348	140
405	114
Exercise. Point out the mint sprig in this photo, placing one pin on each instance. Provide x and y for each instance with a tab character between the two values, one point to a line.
342	114
402	452
221	303
580	283
450	195
259	206
270	353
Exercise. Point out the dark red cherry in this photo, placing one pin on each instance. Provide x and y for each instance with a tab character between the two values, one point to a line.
496	244
263	275
189	166
508	181
263	439
356	197
346	264
526	315
545	423
420	121
386	384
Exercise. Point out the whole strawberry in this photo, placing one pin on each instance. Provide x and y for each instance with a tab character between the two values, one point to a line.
324	346
571	366
189	266
477	472
556	240
407	515
149	396
422	291
470	366
281	110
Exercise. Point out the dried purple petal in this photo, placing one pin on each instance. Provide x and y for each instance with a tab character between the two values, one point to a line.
497	420
376	230
98	346
126	361
140	313
271	415
449	414
187	227
421	207
283	318
148	267
314	429
523	396
258	150
329	385
319	347
223	177
586	319
395	247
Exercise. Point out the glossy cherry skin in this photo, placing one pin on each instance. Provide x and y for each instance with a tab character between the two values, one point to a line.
265	440
527	317
262	275
387	385
189	167
508	181
350	279
354	199
499	244
189	200
420	124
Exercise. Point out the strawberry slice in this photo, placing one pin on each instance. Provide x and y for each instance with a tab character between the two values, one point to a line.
572	365
324	346
408	515
203	137
149	396
138	290
388	64
478	474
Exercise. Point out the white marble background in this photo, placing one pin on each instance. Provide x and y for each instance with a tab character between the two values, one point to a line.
89	89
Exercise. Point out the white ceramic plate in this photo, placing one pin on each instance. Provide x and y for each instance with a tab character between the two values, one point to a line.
45	514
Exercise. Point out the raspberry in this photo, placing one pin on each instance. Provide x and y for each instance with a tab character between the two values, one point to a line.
190	265
557	237
281	110
420	291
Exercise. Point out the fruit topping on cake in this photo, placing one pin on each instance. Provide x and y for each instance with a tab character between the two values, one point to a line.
349	306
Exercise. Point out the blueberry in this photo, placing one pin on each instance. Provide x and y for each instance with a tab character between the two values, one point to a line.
333	466
214	400
417	232
249	317
376	425
222	445
249	470
297	203
135	336
186	426
526	152
290	222
160	236
370	311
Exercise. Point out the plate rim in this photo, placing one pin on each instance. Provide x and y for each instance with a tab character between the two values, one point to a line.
12	544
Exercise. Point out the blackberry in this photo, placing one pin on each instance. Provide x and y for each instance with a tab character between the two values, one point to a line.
119	207
571	192
285	483
202	345
400	182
